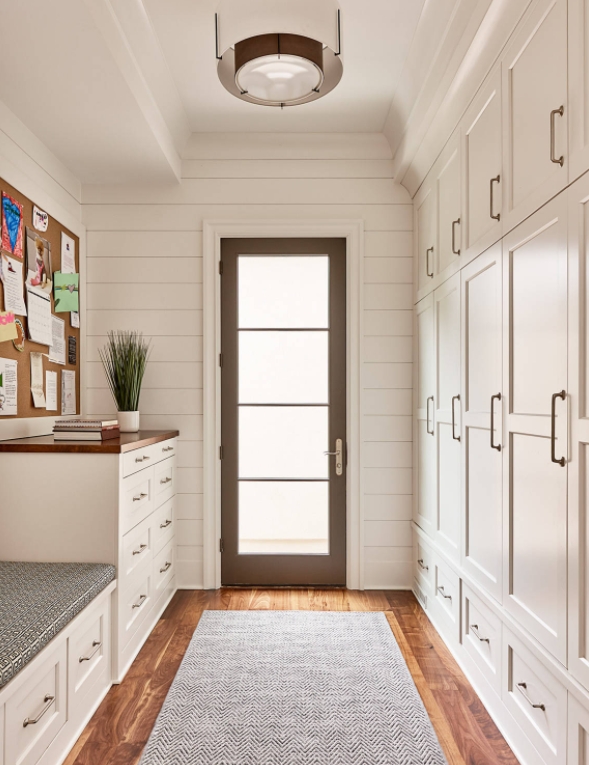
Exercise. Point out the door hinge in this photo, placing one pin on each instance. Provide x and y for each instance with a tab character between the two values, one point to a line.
221	267
221	546
220	452
220	359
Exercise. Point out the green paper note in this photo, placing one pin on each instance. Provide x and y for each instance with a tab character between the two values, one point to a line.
65	292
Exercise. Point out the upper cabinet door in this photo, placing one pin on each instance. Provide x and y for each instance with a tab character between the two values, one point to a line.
426	236
535	111
448	191
578	87
482	171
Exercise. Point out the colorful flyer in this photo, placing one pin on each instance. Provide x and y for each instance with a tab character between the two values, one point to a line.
7	326
38	262
12	226
65	292
40	219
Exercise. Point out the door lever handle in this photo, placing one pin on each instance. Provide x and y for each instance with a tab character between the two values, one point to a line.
338	454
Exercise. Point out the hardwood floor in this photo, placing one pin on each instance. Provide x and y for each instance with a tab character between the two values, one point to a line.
120	728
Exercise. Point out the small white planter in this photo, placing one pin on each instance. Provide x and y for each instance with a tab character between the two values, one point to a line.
128	422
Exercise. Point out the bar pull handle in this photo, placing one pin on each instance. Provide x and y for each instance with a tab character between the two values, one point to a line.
166	524
96	646
474	628
431	432
497	179
454	224
139	497
422	565
427	271
48	701
454	436
165	480
140	602
522	688
142	459
553	113
443	593
496	397
167	566
168	449
562	460
140	549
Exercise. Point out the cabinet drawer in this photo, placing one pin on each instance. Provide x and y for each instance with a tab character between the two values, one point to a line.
447	599
163	568
137	549
149	455
481	637
37	711
135	604
164	481
163	525
89	652
424	564
137	500
535	698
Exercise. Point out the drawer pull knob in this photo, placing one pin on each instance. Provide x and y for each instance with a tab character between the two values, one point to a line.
166	567
48	700
96	646
168	449
522	687
141	459
474	628
141	549
140	602
139	497
166	524
165	480
422	565
443	594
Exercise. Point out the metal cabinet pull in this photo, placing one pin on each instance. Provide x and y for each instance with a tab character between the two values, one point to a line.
454	224
166	567
165	480
142	548
48	701
139	497
522	687
454	399
96	645
422	565
553	113
140	602
496	397
166	524
141	459
431	432
497	179
562	461
427	252
474	628
168	449
443	593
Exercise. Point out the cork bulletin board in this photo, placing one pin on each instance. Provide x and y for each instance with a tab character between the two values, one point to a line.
8	350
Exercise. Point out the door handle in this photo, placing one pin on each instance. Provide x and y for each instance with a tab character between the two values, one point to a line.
496	397
497	179
427	252
431	432
562	461
553	113
454	399
338	454
454	224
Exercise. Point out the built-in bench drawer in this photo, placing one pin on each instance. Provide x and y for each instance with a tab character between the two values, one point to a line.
164	482
139	459
37	711
424	564
163	525
446	598
89	652
137	499
535	698
481	637
137	549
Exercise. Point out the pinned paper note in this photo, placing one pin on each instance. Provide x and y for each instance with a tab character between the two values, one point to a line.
68	392
12	278
57	349
39	321
40	219
68	254
51	391
7	326
65	291
72	350
37	380
12	226
38	262
8	387
75	319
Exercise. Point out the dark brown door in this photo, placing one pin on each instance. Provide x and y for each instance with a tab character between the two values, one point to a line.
283	411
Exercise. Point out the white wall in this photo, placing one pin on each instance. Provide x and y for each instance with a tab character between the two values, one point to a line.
145	272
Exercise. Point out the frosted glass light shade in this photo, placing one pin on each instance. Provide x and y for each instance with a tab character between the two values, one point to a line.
279	78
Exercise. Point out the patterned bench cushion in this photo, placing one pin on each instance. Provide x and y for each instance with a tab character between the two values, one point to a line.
37	600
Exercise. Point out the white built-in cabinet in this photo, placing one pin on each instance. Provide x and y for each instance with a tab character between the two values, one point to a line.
425	424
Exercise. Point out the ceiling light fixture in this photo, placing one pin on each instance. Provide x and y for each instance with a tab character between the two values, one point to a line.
278	52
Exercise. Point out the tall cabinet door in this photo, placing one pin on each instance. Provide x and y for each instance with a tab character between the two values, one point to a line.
482	168
535	154
482	556
448	196
425	422
448	416
536	432
426	236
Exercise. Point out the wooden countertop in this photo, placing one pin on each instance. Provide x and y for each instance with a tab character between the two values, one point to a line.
127	442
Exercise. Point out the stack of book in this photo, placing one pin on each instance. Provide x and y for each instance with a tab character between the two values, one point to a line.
86	430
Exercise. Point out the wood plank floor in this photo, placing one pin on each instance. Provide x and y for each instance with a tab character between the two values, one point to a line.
120	728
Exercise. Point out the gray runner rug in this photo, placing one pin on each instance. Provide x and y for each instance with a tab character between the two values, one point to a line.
293	688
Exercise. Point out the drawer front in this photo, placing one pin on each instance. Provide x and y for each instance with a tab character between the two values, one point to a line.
137	500
164	481
481	637
148	456
137	549
135	604
424	564
536	699
89	651
446	598
38	710
163	568
163	525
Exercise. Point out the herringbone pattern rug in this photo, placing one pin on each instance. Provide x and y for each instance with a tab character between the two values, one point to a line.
293	688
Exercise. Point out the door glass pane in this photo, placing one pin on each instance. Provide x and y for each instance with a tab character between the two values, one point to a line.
283	517
283	442
283	291
283	367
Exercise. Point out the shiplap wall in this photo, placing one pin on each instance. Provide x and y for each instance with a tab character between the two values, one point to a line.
145	272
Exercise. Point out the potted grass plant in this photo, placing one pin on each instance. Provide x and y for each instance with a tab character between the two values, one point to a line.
124	358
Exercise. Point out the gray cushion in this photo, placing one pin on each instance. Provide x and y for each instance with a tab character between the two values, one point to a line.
37	600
